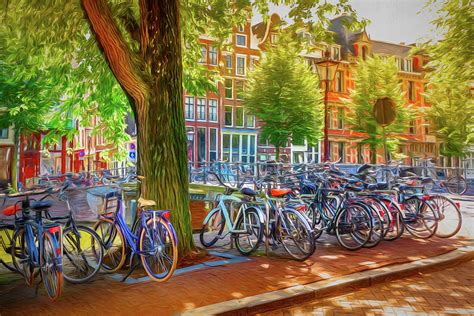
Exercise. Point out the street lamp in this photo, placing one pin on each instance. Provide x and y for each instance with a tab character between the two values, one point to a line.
327	69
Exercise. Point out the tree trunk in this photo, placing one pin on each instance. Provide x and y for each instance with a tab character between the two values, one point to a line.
152	80
277	153
373	154
15	153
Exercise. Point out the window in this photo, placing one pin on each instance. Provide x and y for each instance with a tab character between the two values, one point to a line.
411	91
212	144
228	62
201	144
190	142
240	65
203	60
412	128
212	110
239	89
274	38
341	151
213	55
383	58
340	81
241	28
4	133
398	62
201	109
364	52
336	53
226	147
253	63
408	65
228	116
241	40
228	89
340	118
250	120
239	116
189	108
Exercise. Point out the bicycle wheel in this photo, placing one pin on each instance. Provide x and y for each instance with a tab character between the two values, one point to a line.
318	222
395	227
50	265
248	242
377	233
21	257
456	185
158	249
6	241
353	227
449	216
212	229
294	234
419	218
82	254
114	251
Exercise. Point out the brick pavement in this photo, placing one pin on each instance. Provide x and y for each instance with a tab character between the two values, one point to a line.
441	293
213	285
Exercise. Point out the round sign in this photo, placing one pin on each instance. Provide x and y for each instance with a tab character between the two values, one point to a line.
384	111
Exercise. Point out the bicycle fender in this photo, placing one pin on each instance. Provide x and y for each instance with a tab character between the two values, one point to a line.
304	218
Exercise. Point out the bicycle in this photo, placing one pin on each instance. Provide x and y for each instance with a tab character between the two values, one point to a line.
152	238
82	250
454	184
246	228
37	244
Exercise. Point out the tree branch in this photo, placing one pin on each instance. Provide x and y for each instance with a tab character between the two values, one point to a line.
130	24
121	60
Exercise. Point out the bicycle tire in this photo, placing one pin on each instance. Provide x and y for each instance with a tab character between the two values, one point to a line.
318	222
396	227
51	271
346	223
205	228
77	258
19	250
378	230
456	185
449	216
300	232
114	245
7	237
158	230
416	223
252	224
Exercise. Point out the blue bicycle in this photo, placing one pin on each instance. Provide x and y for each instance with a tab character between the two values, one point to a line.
37	244
152	238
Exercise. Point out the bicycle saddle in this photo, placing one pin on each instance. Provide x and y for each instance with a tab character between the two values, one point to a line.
142	202
248	191
40	205
280	192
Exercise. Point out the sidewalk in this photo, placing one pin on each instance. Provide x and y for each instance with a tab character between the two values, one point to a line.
211	285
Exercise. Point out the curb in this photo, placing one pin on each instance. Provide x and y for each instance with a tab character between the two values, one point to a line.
332	287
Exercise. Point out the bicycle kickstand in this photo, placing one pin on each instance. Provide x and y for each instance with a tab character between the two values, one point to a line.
132	267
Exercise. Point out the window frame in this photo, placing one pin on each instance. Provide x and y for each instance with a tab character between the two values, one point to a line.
7	129
235	87
237	109
186	108
237	57
226	107
216	107
203	59
214	54
227	88
340	77
198	111
216	151
241	36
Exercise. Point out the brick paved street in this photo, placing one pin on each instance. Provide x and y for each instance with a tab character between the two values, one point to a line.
441	293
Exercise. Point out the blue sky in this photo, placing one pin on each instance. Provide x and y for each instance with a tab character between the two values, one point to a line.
392	20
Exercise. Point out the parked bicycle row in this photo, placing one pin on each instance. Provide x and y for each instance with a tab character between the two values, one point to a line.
35	242
355	208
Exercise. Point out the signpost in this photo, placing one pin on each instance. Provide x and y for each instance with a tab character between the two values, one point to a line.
384	112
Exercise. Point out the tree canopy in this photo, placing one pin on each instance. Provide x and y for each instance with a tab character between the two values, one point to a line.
284	94
375	79
451	74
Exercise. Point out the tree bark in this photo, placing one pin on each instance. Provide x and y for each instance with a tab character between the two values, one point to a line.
373	154
277	153
153	82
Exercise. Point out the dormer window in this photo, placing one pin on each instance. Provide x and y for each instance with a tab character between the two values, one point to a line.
241	28
274	38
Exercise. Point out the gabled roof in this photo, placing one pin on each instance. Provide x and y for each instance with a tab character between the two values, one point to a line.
379	47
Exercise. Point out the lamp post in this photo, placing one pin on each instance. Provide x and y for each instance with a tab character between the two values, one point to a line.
327	69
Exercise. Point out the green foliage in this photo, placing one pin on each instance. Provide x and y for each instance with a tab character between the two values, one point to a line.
452	59
284	94
376	79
